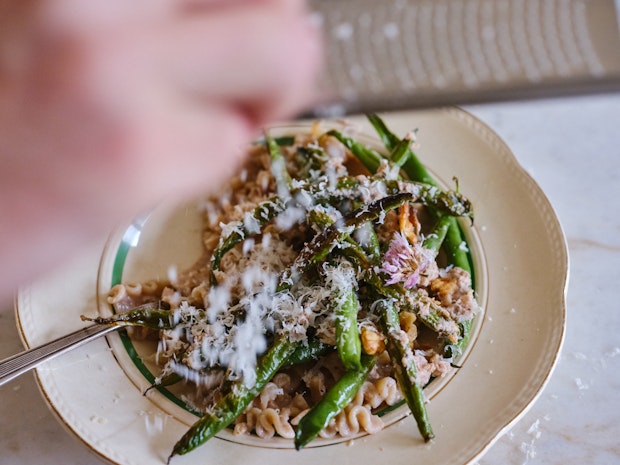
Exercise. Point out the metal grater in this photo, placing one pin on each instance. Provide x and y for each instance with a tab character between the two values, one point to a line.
404	54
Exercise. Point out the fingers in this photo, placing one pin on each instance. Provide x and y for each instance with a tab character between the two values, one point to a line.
193	152
76	17
262	55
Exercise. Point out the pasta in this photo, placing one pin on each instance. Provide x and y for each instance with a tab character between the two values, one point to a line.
273	411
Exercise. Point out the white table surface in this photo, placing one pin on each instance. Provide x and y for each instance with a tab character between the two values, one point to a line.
572	149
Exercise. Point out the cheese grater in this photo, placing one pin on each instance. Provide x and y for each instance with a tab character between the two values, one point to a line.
405	54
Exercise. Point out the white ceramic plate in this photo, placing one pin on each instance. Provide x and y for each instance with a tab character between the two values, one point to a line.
522	269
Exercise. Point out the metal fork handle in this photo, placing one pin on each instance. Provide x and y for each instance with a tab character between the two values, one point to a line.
18	364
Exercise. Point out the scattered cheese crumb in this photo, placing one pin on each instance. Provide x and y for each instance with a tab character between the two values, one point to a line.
581	385
99	420
343	31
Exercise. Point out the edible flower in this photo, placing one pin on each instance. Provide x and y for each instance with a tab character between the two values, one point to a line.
404	262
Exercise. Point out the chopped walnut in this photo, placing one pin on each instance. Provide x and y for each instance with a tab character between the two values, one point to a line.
372	340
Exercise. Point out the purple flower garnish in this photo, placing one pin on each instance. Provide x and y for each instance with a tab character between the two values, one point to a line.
403	262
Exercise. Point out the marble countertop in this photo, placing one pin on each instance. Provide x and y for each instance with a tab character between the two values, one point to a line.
571	147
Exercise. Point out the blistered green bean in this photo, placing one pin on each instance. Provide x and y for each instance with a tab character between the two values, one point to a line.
323	243
278	167
237	400
333	402
454	241
348	341
403	363
313	349
368	157
151	317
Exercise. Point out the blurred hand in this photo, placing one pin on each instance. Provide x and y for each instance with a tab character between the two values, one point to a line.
108	106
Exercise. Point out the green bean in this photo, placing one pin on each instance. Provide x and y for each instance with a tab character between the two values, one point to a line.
370	245
237	400
453	245
403	363
416	171
308	352
367	238
389	139
455	349
445	202
412	166
151	317
454	240
449	202
348	341
431	314
333	402
434	316
346	306
368	157
369	241
436	237
401	152
322	244
284	140
278	168
319	218
311	158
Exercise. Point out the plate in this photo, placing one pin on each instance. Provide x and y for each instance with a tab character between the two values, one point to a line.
521	253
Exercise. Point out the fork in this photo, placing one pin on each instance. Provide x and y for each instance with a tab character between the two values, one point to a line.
18	364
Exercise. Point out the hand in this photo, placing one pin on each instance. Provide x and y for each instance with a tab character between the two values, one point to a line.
108	106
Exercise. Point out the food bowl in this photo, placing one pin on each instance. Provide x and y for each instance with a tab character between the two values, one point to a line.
170	238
